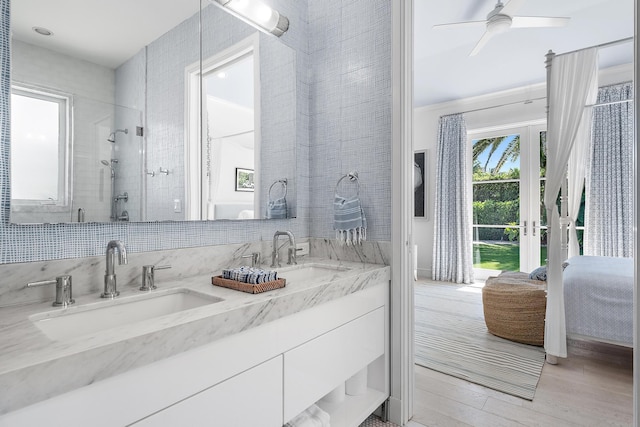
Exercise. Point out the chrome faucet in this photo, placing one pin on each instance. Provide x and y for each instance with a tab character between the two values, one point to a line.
109	274
275	257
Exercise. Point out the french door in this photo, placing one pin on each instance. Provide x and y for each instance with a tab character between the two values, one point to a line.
509	165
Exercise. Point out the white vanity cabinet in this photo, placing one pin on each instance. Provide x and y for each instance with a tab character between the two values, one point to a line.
315	368
252	398
263	376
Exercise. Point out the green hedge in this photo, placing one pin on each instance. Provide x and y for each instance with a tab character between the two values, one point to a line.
494	212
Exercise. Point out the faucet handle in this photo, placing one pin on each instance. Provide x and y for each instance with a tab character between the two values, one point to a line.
255	258
148	276
63	289
293	256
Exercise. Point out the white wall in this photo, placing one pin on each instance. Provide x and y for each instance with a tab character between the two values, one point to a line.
425	134
92	88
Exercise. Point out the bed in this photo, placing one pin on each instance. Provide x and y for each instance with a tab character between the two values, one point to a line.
593	297
598	299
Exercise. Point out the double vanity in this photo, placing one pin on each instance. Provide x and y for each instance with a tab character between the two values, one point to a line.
190	353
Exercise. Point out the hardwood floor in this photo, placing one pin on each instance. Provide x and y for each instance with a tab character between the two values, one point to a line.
592	387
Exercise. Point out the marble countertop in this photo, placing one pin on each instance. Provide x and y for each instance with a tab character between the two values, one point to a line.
34	367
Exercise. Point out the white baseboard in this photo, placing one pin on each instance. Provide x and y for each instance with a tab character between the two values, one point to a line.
395	411
424	273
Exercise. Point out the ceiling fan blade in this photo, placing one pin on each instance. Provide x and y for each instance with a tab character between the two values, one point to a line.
459	24
537	21
483	40
511	7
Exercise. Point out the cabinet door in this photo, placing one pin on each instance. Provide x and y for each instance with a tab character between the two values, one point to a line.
318	366
252	398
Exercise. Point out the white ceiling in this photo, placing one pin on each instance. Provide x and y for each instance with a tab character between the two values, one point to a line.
99	31
443	71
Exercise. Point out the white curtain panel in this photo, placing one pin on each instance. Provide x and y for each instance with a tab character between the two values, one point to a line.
576	172
609	201
453	244
572	85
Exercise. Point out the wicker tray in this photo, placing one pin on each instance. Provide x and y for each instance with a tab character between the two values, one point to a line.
248	287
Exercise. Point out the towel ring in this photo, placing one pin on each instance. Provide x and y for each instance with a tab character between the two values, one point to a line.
282	181
353	177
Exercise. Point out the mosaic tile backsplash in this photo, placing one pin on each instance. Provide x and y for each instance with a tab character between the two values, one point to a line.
343	55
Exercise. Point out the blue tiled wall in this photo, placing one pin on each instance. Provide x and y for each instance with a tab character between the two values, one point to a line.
350	109
343	54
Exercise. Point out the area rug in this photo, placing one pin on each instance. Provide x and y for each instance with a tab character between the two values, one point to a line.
451	337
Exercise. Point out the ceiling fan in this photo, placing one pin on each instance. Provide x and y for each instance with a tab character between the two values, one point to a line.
501	19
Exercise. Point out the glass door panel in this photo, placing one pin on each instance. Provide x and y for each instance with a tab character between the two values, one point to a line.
509	168
542	231
496	202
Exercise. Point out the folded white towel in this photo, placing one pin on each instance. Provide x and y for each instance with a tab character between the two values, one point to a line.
311	417
321	415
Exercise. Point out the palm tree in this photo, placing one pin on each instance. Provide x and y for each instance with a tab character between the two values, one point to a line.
511	152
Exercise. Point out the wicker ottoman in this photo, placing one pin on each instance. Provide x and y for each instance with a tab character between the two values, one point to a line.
514	307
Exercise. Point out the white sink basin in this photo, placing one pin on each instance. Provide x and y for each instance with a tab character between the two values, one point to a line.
309	272
93	318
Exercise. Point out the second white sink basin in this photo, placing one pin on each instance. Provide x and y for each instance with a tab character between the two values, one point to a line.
100	316
309	272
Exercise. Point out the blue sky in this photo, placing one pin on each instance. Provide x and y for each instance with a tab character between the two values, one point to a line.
496	156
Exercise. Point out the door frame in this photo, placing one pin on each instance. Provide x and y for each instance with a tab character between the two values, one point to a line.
402	306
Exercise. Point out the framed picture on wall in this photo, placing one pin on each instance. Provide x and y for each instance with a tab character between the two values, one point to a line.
420	184
244	179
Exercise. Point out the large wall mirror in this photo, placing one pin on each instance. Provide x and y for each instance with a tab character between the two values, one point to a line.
119	114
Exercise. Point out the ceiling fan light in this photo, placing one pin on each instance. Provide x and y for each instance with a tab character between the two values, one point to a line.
499	24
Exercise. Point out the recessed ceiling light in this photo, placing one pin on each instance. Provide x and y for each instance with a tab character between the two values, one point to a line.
42	31
221	75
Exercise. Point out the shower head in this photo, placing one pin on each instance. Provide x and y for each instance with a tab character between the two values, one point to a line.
106	163
112	135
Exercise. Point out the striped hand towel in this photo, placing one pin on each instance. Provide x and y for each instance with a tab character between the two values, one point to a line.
349	220
250	275
277	209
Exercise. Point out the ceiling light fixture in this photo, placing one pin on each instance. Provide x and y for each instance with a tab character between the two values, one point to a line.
42	31
259	14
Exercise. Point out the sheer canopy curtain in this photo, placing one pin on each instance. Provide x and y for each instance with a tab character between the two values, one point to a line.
576	173
452	247
609	201
572	85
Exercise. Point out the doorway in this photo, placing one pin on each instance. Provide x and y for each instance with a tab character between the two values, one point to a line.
508	181
223	134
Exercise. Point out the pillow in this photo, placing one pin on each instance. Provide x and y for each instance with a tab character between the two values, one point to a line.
539	273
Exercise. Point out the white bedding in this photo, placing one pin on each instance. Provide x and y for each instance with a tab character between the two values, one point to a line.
598	298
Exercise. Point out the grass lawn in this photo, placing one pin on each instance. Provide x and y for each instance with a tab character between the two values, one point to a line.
500	256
